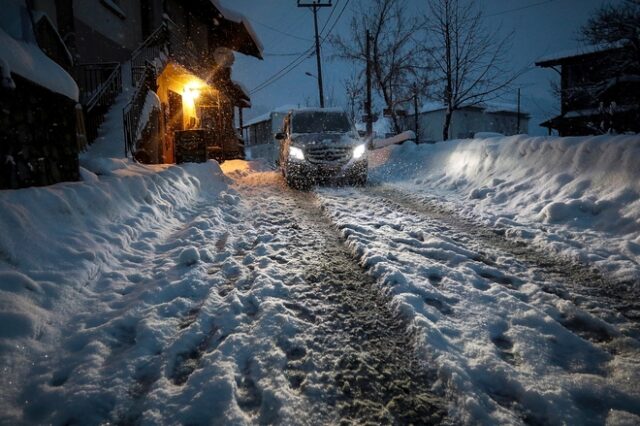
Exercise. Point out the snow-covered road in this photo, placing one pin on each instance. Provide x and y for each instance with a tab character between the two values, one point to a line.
266	305
517	335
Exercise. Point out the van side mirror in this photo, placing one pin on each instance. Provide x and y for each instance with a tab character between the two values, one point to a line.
280	136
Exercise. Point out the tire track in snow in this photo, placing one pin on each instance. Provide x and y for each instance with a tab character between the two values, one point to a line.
573	281
355	354
480	306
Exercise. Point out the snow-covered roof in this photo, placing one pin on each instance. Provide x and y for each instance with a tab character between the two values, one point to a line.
39	15
28	61
381	127
239	18
242	88
316	109
492	107
488	107
575	52
431	106
267	116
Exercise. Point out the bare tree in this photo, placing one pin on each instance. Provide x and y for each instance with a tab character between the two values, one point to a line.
616	26
354	90
398	58
470	62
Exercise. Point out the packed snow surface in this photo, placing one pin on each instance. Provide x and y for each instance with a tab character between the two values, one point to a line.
445	291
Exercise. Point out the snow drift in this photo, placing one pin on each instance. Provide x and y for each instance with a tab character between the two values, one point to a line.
57	241
579	195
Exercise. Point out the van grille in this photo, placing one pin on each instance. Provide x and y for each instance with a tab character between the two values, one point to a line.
328	154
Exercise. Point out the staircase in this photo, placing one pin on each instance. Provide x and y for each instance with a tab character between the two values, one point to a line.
99	85
143	78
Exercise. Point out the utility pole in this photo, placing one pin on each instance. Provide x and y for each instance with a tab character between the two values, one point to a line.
315	6
518	129
367	105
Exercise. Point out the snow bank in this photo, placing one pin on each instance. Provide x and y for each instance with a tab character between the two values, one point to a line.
64	222
578	195
56	241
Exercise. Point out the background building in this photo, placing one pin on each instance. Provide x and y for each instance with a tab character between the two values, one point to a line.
467	121
259	133
599	92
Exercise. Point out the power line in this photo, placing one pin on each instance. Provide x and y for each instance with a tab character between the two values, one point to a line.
333	9
284	71
299	60
336	21
283	54
280	31
520	8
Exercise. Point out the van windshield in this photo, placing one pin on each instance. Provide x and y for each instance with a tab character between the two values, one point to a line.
320	122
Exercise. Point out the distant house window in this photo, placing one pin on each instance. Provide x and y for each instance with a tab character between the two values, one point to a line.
114	7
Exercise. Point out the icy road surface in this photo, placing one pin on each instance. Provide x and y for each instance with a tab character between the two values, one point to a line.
339	304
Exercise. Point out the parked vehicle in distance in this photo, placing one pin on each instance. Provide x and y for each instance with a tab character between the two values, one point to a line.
321	144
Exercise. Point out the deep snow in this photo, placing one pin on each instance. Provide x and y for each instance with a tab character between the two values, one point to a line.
579	197
175	294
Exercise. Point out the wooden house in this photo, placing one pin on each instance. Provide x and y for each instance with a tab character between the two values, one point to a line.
181	51
599	91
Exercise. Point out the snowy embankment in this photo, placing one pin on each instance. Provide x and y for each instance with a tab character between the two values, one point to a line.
57	242
578	196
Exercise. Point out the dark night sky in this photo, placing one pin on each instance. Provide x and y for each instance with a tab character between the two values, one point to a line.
540	28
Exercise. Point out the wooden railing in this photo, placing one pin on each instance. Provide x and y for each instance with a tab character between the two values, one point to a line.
99	86
131	114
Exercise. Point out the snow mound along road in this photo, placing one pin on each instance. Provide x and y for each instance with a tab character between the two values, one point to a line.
579	196
58	243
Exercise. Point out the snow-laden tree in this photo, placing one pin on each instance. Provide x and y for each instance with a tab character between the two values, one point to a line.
470	60
398	55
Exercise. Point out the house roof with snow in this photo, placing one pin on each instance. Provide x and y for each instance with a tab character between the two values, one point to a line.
573	54
267	115
487	107
27	60
236	27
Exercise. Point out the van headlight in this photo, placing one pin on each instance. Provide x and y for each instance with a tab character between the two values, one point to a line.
359	151
296	153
